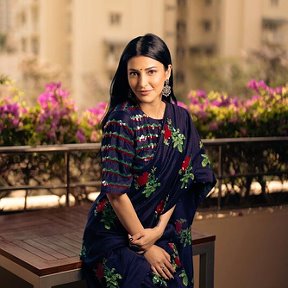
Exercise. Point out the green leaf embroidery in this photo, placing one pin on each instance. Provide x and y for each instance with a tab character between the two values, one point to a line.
83	251
159	281
108	216
176	136
205	160
152	184
187	175
185	237
184	277
111	277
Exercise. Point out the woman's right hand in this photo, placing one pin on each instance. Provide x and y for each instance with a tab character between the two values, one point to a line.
146	238
160	263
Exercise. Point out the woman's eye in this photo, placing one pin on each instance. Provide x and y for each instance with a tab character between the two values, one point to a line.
133	74
151	72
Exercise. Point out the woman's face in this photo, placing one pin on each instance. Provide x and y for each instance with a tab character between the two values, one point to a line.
146	77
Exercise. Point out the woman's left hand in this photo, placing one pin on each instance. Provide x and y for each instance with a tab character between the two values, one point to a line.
146	238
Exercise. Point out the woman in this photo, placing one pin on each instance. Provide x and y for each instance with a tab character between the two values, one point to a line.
154	174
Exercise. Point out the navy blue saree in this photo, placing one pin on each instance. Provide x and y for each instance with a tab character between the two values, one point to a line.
159	164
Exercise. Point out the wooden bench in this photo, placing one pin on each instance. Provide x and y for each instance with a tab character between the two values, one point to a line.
42	247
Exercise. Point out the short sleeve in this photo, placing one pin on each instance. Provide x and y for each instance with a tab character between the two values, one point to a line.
117	153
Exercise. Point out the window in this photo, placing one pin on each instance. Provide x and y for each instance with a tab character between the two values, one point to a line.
208	2
115	18
35	45
23	45
180	77
206	25
182	3
274	2
181	27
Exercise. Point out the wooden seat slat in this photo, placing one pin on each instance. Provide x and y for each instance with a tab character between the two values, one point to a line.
63	244
45	248
34	250
51	244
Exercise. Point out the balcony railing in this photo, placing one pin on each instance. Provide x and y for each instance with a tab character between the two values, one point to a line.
66	169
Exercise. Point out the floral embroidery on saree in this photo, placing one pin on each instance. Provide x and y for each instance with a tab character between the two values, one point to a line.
111	277
159	281
106	275
83	251
149	181
186	172
170	132
108	215
205	160
183	234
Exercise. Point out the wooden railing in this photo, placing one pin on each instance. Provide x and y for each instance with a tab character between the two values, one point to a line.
233	159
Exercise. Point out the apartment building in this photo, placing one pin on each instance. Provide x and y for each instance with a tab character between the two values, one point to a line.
228	28
85	37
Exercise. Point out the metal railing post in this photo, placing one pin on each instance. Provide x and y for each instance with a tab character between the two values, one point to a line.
220	174
67	161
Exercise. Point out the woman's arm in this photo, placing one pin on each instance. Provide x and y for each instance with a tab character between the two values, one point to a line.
164	219
147	237
125	212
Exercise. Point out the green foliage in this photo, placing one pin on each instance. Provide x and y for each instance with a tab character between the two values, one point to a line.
218	115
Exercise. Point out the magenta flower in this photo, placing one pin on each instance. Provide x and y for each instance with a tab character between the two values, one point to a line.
80	136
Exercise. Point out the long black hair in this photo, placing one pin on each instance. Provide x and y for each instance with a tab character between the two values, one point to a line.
149	45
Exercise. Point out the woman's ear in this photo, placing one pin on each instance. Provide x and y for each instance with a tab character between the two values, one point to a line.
168	71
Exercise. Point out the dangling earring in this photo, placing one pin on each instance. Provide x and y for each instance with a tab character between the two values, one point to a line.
166	89
130	95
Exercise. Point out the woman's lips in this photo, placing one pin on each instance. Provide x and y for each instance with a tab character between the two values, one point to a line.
144	92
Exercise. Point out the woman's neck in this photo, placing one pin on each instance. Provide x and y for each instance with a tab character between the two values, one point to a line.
153	110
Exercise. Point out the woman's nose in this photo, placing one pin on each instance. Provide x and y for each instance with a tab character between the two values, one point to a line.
142	81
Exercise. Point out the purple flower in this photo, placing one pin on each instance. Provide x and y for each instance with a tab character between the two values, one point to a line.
201	94
182	104
213	126
80	136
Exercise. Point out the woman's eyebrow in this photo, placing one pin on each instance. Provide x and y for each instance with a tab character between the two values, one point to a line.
146	69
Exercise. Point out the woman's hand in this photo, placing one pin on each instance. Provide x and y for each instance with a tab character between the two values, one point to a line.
146	238
159	260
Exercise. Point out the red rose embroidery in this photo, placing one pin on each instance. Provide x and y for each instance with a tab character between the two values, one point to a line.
167	132
171	245
99	271
185	163
178	226
100	206
160	207
143	179
177	261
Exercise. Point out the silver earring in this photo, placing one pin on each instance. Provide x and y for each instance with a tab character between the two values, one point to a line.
130	95
166	89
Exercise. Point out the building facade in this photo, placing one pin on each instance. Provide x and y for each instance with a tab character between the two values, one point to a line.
84	38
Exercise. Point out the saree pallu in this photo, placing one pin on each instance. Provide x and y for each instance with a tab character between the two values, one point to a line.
179	173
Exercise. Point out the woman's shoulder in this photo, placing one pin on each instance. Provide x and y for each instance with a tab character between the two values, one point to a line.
125	113
180	109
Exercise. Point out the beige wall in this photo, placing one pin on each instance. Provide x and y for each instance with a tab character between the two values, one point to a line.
53	32
251	247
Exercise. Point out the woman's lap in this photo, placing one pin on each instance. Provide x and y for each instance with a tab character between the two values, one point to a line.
124	268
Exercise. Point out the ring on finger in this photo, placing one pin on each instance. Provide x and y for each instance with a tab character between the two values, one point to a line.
163	267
